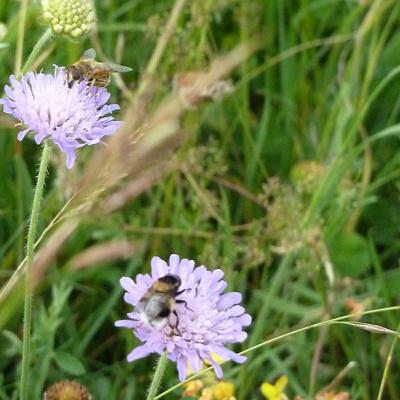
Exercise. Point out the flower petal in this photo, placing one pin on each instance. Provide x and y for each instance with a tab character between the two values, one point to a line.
229	299
181	364
22	134
269	391
127	284
159	268
281	383
217	368
140	352
126	323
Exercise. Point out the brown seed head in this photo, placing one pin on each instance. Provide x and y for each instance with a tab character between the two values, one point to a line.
67	390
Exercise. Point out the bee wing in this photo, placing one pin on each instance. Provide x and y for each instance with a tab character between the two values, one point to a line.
117	68
89	54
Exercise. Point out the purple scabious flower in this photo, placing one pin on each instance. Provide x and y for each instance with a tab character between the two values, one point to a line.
204	321
71	117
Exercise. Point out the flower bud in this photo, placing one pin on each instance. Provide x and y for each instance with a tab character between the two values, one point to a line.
71	17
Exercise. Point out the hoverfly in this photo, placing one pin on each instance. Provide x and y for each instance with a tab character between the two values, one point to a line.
95	72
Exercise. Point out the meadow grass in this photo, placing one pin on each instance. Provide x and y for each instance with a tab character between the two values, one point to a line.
288	184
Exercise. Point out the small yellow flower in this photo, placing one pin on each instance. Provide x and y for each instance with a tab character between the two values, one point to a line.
206	394
275	391
192	387
223	391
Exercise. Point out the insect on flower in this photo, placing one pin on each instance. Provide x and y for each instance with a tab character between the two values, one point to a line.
160	300
71	117
96	73
181	309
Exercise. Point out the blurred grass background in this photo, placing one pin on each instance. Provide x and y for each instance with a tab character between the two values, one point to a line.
289	184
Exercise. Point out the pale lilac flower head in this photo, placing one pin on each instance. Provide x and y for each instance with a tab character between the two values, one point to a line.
71	117
207	320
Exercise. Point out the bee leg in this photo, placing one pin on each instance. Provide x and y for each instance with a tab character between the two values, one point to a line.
183	302
177	323
196	288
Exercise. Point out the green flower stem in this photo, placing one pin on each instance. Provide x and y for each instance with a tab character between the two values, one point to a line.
158	374
36	50
28	278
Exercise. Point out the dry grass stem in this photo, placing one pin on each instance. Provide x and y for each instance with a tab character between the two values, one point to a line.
114	250
48	252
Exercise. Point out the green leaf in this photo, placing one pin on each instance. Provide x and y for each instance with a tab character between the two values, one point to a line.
69	363
350	255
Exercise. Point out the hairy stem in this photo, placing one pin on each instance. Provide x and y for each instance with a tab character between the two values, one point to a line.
28	284
158	374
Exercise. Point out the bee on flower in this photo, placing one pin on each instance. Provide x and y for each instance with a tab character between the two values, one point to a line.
181	309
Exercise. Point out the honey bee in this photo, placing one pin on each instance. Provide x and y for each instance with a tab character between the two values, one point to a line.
96	73
159	302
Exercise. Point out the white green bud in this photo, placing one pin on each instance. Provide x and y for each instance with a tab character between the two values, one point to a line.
71	17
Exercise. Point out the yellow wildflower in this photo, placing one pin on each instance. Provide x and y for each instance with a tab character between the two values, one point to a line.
206	394
192	387
275	391
223	391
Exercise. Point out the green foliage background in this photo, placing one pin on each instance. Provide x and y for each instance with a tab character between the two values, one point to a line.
291	174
